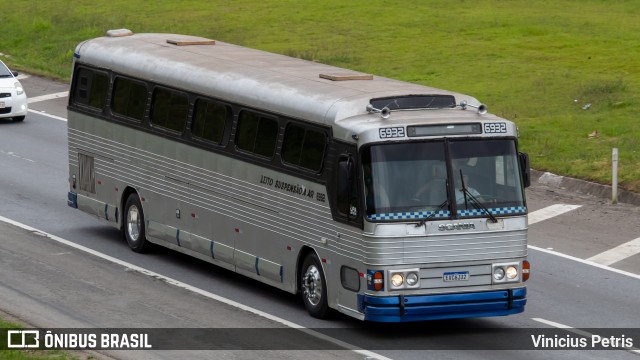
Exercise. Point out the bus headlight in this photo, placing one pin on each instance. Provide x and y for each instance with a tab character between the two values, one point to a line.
412	279
404	279
397	280
512	272
503	273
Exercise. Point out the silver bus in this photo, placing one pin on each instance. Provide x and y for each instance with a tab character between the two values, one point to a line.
384	200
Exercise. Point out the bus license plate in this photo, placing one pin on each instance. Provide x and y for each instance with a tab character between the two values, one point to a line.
456	276
1	104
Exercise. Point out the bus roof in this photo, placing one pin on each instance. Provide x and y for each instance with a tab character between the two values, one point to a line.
271	82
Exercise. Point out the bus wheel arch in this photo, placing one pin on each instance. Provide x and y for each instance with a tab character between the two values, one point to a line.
133	223
312	284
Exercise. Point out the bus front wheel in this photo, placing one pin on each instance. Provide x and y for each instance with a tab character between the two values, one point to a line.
314	288
134	231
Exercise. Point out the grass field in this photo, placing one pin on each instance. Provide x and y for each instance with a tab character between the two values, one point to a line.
539	63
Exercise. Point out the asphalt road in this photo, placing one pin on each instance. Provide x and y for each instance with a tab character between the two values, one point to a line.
49	284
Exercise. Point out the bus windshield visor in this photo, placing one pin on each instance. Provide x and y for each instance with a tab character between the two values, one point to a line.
417	181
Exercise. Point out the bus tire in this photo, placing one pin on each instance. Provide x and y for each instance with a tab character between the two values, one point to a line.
314	287
134	225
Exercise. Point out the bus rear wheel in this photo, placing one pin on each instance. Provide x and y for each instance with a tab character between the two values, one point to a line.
134	225
314	287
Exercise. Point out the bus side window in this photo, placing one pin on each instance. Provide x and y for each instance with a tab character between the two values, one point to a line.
303	147
346	189
256	134
169	109
129	98
209	120
91	88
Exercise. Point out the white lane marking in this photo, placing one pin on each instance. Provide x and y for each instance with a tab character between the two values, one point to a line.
586	334
562	326
549	212
47	97
12	154
49	115
586	262
198	290
618	253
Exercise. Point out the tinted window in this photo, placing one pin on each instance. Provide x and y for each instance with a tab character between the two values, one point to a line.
91	88
169	109
209	120
129	98
256	134
303	147
415	102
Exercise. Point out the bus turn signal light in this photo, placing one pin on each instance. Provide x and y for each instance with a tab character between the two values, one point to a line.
525	270
378	281
375	280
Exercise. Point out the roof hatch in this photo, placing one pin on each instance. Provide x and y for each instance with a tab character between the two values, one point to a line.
119	32
346	76
185	42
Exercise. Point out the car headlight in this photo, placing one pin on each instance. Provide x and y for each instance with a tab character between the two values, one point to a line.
498	273
512	272
19	88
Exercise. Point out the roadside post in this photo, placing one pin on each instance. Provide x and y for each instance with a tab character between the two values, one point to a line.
614	161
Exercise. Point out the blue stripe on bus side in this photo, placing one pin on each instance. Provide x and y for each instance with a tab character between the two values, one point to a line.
257	270
281	273
178	236
211	248
106	211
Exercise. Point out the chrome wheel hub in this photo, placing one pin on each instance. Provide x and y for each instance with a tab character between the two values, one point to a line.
133	223
312	285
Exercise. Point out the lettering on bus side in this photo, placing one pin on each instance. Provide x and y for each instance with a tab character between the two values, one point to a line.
293	188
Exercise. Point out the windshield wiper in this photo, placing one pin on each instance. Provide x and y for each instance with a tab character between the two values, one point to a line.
435	212
474	201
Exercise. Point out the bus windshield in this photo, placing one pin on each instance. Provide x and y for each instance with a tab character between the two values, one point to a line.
442	179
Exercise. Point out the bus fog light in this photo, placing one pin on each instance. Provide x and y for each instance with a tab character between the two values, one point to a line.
412	279
498	273
397	280
512	272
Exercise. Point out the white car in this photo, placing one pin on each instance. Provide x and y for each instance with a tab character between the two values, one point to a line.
13	99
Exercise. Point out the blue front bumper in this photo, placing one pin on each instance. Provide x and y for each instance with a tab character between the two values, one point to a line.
446	306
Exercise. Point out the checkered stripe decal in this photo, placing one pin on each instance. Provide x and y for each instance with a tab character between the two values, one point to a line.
409	215
495	211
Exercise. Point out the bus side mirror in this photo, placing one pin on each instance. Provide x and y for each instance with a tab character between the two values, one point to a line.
525	168
345	178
